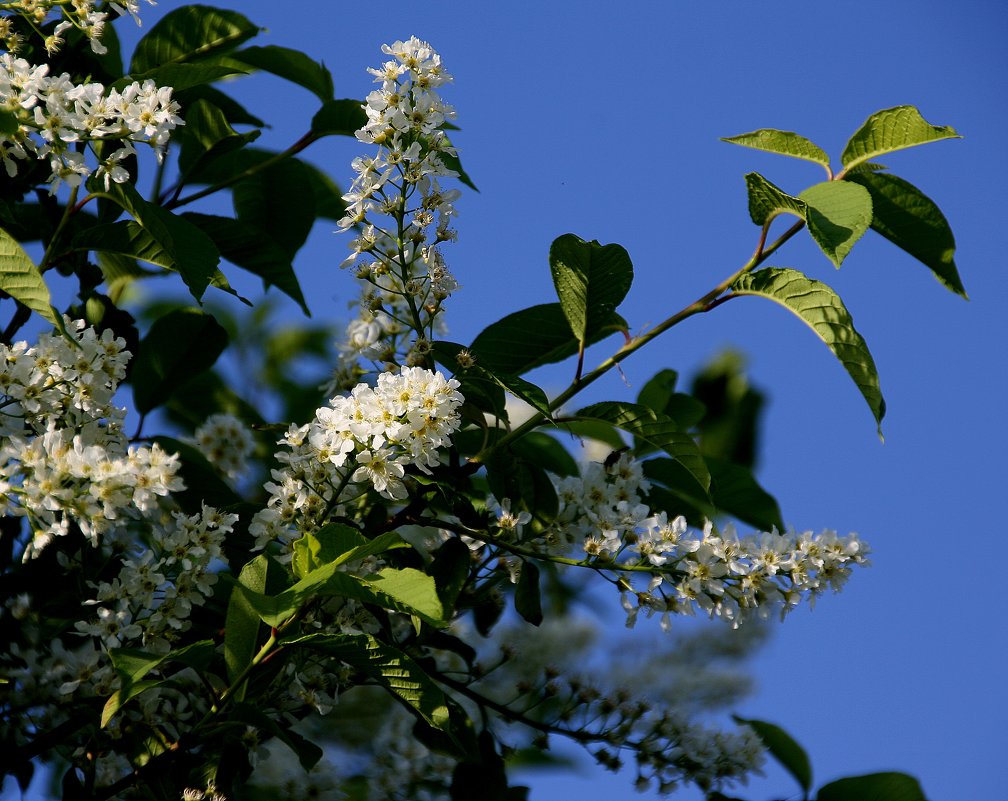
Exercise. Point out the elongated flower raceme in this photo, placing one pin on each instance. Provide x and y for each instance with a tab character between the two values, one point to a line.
399	210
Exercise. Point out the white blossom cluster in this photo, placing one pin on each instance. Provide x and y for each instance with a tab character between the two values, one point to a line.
717	572
360	442
80	14
226	442
149	602
64	459
56	118
398	207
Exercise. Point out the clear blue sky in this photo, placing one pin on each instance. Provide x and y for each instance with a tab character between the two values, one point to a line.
603	119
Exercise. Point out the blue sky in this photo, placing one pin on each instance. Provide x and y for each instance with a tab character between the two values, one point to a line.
604	120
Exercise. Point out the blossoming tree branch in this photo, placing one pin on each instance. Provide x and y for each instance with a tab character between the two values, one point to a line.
178	611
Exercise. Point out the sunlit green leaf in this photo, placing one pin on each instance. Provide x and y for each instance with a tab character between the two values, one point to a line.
21	279
591	280
891	129
767	201
786	143
821	309
839	212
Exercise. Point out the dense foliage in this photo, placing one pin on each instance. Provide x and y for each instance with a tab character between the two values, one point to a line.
251	607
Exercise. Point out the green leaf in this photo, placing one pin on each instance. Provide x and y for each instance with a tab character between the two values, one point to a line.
873	787
523	390
279	201
21	279
450	570
767	201
9	124
292	65
407	590
545	451
308	753
241	626
506	347
131	665
339	118
839	212
912	221
254	250
190	33
527	600
395	671
451	161
889	130
336	544
181	77
658	430
170	241
179	344
677	490
591	280
786	143
734	490
208	136
784	749
659	395
522	481
821	309
234	111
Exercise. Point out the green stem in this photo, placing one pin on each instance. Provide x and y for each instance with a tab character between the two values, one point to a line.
68	211
700	305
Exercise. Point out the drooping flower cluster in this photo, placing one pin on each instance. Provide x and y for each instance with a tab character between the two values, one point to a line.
398	259
56	118
360	442
64	459
150	600
718	572
80	14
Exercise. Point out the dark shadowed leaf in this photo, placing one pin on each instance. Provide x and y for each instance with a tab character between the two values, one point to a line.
190	33
784	749
912	221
